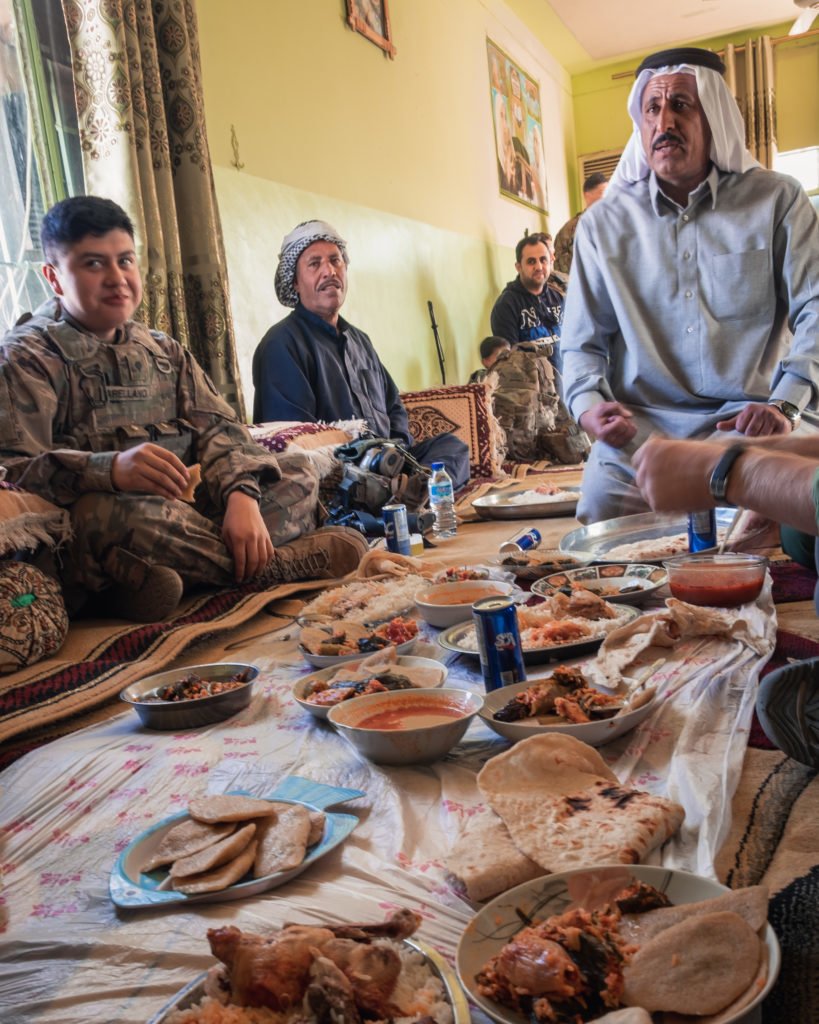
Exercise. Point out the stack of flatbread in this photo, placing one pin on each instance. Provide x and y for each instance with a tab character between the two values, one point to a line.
665	629
227	836
555	805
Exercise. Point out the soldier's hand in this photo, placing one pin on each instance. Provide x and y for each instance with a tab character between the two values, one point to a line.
150	469
245	536
758	420
609	422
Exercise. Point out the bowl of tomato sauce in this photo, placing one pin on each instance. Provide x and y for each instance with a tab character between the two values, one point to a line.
720	581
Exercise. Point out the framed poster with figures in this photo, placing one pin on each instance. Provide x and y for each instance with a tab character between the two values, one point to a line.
518	125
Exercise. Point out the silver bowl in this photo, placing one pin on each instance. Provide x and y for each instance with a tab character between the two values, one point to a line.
194	713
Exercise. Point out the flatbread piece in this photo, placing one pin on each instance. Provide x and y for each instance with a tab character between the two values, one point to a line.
229	808
564	808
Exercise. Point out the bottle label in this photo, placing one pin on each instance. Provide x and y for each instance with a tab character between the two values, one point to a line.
440	492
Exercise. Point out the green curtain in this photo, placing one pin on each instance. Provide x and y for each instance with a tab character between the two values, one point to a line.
749	72
140	106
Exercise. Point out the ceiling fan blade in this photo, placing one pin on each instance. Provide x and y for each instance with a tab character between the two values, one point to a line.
803	22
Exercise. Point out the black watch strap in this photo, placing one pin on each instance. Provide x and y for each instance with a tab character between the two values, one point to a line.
248	490
718	483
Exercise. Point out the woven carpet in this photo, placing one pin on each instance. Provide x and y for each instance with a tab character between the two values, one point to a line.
99	658
774	840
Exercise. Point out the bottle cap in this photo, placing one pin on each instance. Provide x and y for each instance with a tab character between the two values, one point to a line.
437	465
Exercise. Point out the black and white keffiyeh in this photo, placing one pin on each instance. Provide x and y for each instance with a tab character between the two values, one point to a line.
294	244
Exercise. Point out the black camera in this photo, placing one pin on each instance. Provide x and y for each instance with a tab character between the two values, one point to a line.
374	455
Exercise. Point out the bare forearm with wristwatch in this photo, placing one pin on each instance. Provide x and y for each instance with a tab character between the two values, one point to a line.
773	477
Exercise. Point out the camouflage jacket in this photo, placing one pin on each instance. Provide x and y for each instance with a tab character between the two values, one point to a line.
69	402
564	245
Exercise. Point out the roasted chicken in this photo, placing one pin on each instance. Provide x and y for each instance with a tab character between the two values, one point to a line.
344	974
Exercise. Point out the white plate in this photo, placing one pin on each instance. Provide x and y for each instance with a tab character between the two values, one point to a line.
499	920
195	990
452	640
320	711
637	579
505	505
594	733
330	660
129	887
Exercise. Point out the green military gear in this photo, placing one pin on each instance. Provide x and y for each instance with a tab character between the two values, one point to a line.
527	405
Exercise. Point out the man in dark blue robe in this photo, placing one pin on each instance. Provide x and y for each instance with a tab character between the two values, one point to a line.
313	365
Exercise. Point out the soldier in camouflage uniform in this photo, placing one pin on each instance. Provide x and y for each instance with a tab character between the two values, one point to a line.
594	188
103	416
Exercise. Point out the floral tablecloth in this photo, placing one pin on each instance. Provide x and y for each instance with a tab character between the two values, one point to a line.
68	809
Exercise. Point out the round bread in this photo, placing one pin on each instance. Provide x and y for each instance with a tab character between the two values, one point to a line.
698	966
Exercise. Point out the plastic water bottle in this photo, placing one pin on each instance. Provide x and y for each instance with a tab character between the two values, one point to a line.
442	502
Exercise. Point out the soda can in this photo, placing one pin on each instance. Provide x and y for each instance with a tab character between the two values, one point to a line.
702	530
523	540
496	623
396	529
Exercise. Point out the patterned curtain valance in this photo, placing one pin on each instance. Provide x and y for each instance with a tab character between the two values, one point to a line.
141	114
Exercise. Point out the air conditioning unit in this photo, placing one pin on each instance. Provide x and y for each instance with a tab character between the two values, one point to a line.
603	162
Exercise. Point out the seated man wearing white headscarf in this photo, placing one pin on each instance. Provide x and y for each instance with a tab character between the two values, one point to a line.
693	305
313	365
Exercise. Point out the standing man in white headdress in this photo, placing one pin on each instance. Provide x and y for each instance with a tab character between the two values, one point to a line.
693	307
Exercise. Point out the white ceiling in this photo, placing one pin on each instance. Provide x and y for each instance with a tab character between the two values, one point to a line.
610	28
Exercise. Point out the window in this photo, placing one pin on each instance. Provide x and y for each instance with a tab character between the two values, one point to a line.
39	145
802	164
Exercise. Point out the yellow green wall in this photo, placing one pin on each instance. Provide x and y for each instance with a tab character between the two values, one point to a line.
397	154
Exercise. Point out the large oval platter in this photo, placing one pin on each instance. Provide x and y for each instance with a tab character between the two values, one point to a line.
503	917
195	990
507	505
594	543
453	640
618	582
595	733
130	887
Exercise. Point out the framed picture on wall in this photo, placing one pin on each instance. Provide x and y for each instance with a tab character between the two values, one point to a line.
372	19
518	125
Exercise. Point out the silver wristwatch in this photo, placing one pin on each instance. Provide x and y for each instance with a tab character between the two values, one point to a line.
788	410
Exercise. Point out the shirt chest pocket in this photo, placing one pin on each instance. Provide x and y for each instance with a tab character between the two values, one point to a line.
741	285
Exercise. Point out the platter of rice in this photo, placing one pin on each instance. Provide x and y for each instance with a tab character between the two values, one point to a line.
550	629
534	503
647	537
366	602
426	987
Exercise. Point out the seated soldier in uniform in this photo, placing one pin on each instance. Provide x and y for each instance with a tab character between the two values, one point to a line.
490	350
105	417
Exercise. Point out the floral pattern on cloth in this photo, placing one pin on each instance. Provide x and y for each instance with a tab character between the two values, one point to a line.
33	619
466	411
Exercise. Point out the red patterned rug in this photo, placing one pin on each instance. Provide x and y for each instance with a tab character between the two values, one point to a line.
99	658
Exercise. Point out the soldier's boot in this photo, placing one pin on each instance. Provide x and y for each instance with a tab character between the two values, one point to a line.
325	554
141	592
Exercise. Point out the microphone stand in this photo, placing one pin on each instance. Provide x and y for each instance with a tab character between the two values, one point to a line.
438	346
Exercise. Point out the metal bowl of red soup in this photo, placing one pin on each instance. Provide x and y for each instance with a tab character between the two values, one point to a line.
404	726
721	581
